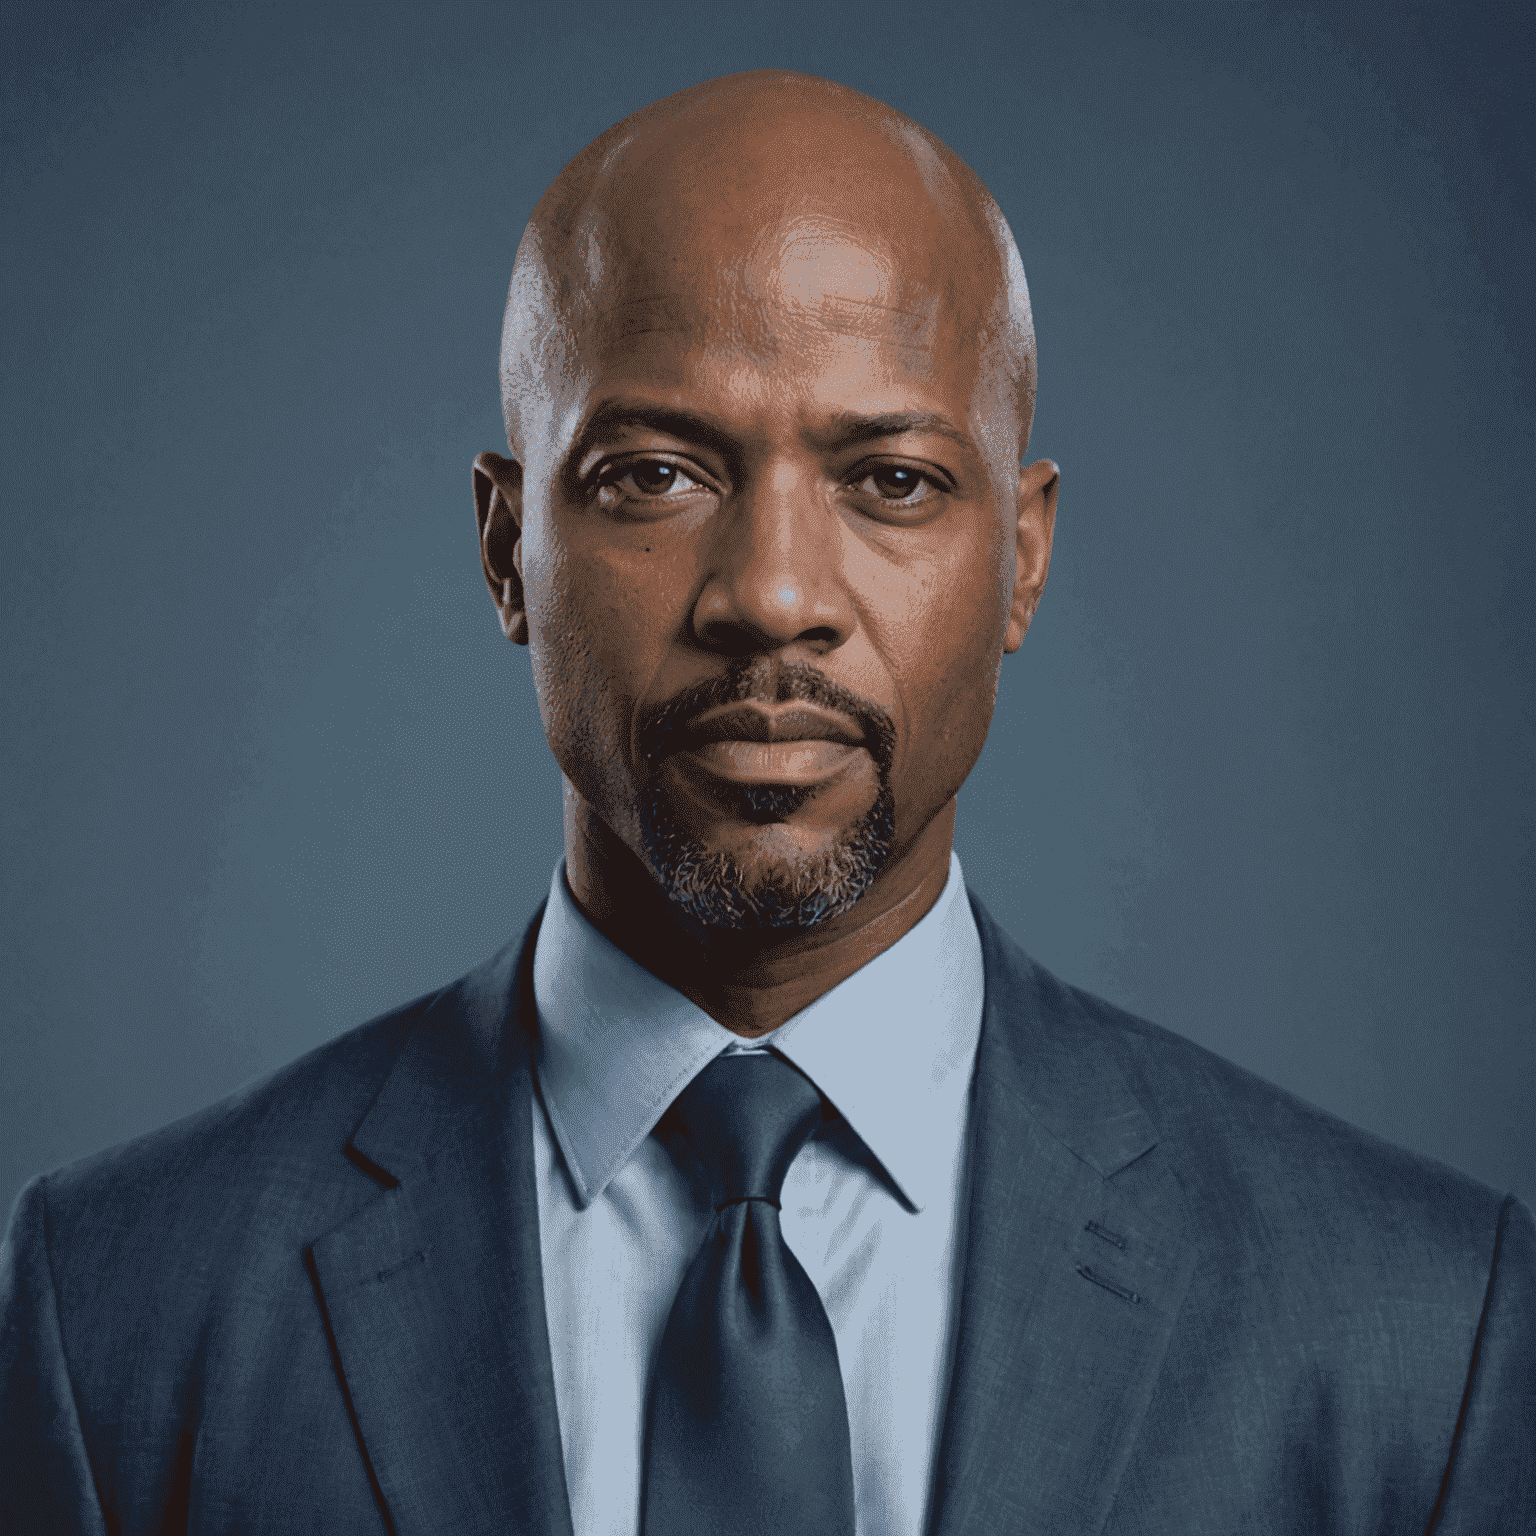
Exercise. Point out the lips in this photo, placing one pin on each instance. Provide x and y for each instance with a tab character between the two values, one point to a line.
765	725
771	724
796	745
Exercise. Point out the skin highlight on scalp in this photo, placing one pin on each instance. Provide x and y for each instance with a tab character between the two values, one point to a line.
780	144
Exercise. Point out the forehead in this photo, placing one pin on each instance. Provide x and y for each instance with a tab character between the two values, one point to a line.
680	291
792	285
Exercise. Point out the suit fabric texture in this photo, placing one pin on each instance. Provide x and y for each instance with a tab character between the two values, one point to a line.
1190	1302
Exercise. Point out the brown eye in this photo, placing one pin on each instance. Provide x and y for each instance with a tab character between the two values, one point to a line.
654	477
895	482
645	480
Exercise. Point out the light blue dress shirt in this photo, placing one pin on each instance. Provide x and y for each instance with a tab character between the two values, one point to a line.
871	1208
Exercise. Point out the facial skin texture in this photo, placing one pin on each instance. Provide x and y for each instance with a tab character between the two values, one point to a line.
768	375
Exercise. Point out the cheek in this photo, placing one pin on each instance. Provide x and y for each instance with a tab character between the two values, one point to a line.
945	655
599	624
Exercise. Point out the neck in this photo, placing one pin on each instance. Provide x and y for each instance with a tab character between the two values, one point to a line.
749	982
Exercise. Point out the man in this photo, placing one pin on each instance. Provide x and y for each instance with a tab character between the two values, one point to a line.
765	1185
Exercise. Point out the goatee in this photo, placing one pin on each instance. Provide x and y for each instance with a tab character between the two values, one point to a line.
712	887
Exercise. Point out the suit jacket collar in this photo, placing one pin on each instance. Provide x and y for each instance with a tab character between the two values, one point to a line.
433	1293
1076	1265
1074	1269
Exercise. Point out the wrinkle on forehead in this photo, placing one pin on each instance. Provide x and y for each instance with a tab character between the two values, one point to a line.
809	276
754	202
850	284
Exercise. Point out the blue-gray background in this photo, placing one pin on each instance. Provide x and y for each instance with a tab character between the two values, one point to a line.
1263	770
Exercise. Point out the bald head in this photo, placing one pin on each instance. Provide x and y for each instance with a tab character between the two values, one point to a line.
768	373
747	205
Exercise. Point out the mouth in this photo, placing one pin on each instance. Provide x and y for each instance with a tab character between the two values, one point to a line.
750	743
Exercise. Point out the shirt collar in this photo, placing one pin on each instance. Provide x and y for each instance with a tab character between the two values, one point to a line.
891	1046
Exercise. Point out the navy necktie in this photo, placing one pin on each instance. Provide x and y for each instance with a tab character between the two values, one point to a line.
747	1432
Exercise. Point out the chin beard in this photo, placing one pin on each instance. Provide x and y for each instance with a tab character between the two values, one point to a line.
786	893
713	889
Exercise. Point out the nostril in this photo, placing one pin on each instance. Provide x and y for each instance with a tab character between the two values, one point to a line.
728	638
732	638
822	635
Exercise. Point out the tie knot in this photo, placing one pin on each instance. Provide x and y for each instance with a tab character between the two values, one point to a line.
745	1117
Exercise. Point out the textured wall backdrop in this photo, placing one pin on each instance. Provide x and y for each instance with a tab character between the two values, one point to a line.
1263	770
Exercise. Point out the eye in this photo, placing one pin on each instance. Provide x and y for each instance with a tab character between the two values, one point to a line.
647	479
897	482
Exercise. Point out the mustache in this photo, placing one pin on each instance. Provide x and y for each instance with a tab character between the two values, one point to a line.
754	679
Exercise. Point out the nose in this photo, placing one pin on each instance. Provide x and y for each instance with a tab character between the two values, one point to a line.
775	573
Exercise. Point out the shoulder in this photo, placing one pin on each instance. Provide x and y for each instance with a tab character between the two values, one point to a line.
128	1259
1269	1182
182	1262
250	1157
1256	1152
257	1177
1246	1128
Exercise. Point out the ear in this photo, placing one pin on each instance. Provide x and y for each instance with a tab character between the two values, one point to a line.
1032	546
499	516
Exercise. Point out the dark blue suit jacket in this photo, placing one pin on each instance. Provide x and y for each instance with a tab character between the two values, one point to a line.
1191	1304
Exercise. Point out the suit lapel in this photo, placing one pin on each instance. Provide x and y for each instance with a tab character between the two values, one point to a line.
1075	1268
433	1293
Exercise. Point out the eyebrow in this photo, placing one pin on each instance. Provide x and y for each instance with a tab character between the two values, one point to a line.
849	427
845	430
691	427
